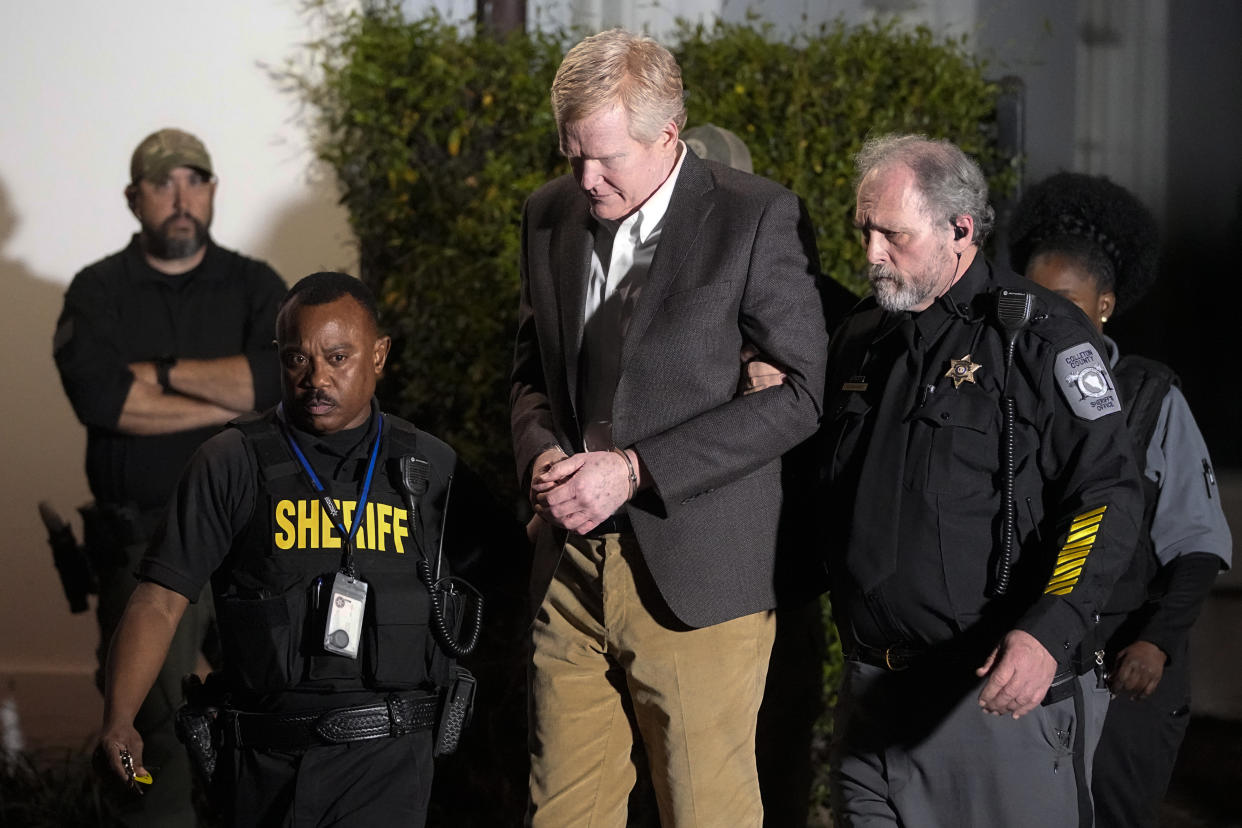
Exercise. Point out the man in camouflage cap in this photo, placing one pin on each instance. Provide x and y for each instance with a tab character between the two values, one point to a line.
162	152
172	230
158	346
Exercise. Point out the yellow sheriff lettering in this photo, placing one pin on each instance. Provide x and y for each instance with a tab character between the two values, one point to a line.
308	524
366	532
284	538
383	525
399	530
329	535
305	524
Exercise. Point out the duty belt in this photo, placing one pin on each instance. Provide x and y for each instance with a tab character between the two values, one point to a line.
890	658
395	716
898	657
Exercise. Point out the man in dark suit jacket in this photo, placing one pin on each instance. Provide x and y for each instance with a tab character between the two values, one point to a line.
643	274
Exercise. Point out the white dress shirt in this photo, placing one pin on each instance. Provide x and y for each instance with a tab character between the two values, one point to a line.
619	264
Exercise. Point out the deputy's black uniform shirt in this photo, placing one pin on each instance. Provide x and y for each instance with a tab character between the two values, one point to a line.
121	310
218	494
918	499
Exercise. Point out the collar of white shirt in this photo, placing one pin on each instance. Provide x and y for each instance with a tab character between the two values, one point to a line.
642	222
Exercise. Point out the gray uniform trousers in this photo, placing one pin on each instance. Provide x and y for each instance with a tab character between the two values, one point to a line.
914	749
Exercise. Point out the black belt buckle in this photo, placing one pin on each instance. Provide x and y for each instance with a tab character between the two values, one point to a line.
896	661
1062	687
400	716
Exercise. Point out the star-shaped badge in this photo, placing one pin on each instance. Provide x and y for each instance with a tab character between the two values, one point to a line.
962	370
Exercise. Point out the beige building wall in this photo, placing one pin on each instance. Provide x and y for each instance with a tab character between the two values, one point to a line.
82	83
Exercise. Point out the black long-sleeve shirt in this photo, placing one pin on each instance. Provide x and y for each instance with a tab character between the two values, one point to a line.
1077	490
121	310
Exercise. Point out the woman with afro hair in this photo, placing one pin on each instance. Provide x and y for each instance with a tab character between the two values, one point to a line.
1094	243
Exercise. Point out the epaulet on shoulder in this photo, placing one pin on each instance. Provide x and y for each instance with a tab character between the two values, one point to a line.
1058	317
400	424
409	439
266	442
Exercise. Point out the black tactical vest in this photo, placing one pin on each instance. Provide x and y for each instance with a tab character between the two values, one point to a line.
1143	384
272	593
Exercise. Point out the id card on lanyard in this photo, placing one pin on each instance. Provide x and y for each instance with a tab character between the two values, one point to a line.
348	602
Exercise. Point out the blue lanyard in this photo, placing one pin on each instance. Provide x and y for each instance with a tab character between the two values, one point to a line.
329	505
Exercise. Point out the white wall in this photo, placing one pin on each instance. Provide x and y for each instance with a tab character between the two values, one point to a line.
81	83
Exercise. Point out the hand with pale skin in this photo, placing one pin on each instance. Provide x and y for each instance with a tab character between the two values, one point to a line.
542	463
757	374
206	392
1019	673
580	492
1137	670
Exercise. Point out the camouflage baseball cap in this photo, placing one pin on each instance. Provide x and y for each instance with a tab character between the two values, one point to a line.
162	152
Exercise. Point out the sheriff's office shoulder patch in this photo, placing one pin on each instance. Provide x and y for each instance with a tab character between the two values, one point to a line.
1085	382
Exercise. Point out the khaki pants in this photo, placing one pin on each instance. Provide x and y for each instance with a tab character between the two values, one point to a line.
611	666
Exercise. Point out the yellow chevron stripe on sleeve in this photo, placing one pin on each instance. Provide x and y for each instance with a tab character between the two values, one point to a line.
1067	574
1079	541
1083	524
1078	558
1086	543
1089	532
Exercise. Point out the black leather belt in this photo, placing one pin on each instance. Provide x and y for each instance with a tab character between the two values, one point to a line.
395	716
898	657
890	658
620	522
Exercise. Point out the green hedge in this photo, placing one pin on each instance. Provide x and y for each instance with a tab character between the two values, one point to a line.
438	135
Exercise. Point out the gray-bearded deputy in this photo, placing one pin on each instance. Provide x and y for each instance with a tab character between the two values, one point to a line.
966	587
